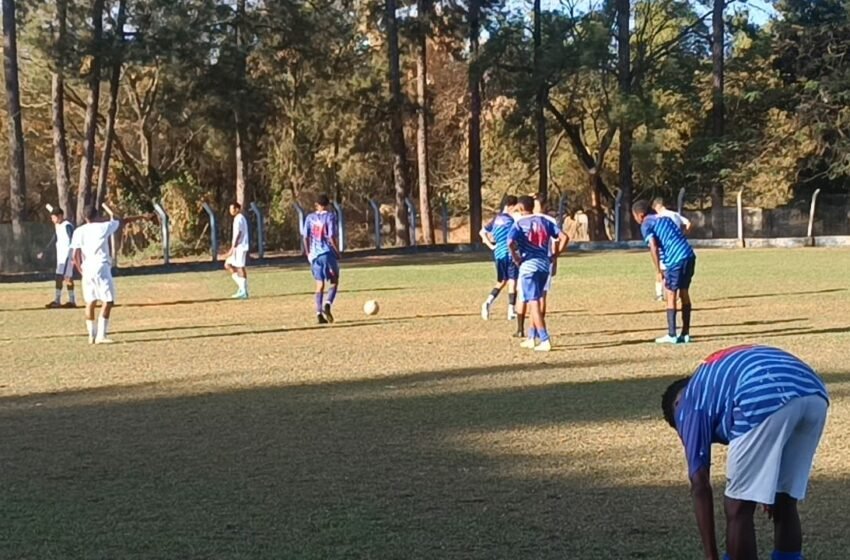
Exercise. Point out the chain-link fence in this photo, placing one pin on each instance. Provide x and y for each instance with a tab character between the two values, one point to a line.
18	252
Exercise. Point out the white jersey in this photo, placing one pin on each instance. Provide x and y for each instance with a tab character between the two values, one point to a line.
240	231
677	218
93	240
64	231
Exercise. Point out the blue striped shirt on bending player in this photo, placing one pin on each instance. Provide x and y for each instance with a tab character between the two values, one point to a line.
673	246
500	229
735	390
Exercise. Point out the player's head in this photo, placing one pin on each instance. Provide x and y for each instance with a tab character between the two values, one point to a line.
640	210
510	203
235	208
540	203
658	204
525	204
57	215
670	399
90	213
322	202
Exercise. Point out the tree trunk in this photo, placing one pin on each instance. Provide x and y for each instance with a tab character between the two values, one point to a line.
400	173
242	196
718	116
539	116
114	91
474	155
596	217
241	134
60	145
627	224
84	190
17	166
424	10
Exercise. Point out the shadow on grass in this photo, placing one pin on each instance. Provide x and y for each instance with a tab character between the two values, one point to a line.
781	294
414	466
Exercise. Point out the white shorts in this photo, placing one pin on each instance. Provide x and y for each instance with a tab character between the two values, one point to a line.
99	286
776	456
64	268
238	258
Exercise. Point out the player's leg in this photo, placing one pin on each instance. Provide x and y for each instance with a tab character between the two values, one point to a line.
231	269
527	289
740	529
542	280
106	295
787	531
671	281
317	268
69	285
511	298
91	325
57	292
521	311
332	277
684	292
533	308
501	279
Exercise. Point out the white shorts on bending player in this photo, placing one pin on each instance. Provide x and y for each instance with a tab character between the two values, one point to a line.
238	259
98	285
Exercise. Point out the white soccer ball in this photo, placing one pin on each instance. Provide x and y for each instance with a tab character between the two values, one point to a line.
370	307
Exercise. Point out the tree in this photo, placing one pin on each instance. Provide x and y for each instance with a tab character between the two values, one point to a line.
62	167
718	116
401	180
17	167
239	118
424	17
84	187
474	139
540	104
624	70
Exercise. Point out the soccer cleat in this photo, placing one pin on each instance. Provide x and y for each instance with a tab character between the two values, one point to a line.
240	295
544	346
511	314
519	334
684	339
659	298
529	343
321	319
69	305
667	339
485	311
53	305
102	341
327	313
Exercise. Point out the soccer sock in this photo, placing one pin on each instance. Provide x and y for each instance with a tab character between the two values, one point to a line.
494	293
71	297
543	334
332	294
102	326
671	322
242	283
57	295
786	555
686	319
91	327
319	297
532	333
235	279
512	300
659	289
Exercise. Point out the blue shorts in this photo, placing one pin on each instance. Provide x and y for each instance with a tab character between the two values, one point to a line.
326	268
534	285
678	275
506	269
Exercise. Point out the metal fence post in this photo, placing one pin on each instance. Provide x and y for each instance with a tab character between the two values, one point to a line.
376	220
740	218
562	210
213	231
618	201
445	204
680	202
166	237
113	249
300	213
411	218
341	225
261	240
811	230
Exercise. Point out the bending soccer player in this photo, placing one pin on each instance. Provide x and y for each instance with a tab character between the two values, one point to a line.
683	223
236	259
529	243
64	261
669	246
770	409
90	245
320	229
495	236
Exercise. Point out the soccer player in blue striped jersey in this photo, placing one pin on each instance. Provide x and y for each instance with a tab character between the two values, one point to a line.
320	230
495	236
668	245
529	243
770	408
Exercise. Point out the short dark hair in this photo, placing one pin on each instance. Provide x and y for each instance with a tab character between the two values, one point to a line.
641	208
57	212
323	200
90	212
657	201
510	200
236	205
526	202
668	400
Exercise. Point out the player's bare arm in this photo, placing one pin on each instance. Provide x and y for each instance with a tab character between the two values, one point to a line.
560	248
515	253
653	252
704	510
78	260
488	241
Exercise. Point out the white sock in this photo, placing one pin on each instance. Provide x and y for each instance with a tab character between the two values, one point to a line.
71	297
57	297
490	299
659	289
236	279
91	327
242	283
102	325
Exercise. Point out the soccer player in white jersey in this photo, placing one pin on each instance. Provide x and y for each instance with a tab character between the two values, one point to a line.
236	258
683	223
64	263
90	246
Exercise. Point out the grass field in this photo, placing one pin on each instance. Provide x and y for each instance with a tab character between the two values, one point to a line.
229	430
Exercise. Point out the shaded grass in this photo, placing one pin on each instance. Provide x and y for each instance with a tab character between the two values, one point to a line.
223	429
